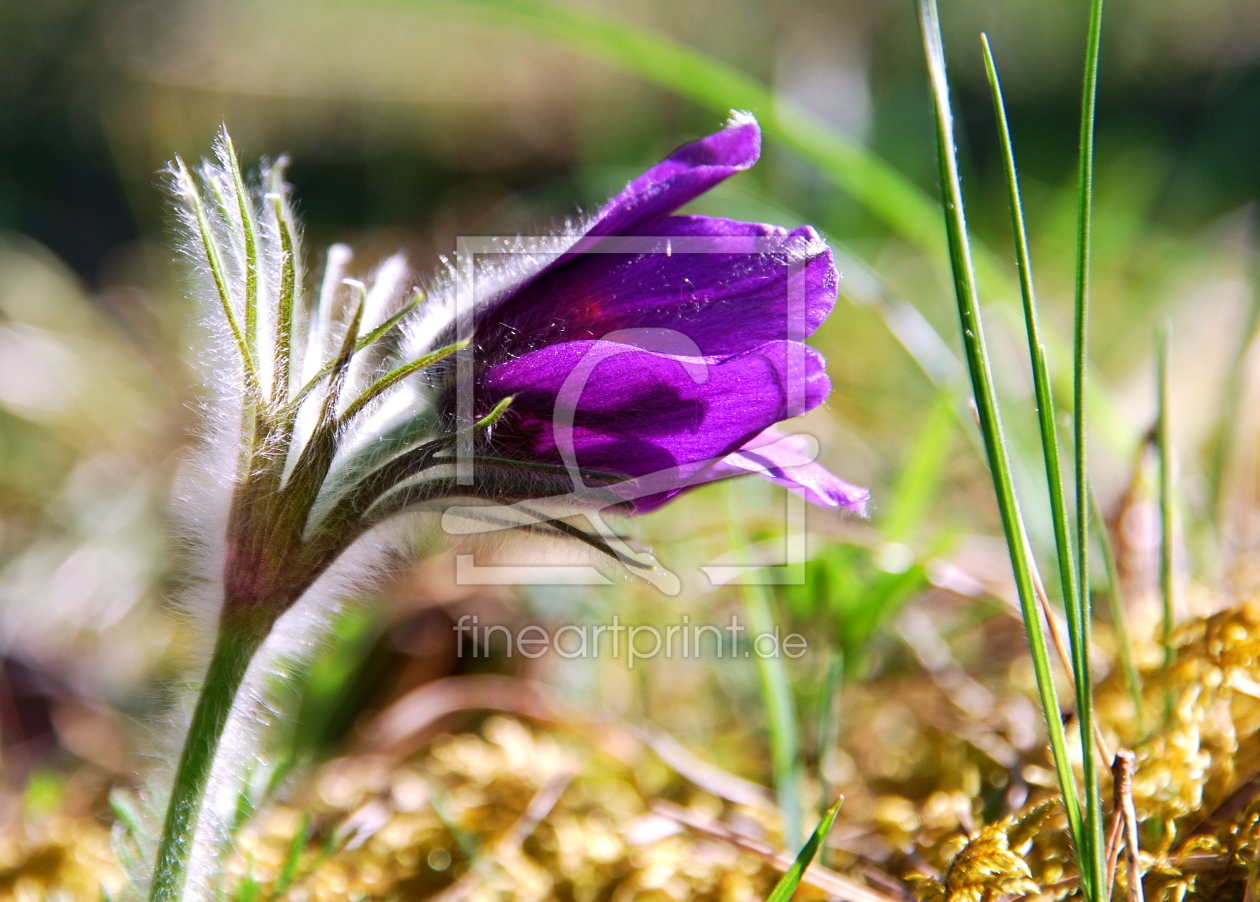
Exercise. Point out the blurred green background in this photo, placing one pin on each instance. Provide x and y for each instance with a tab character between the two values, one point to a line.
410	123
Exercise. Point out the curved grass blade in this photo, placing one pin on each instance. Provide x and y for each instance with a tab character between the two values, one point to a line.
784	889
1119	615
887	194
1037	356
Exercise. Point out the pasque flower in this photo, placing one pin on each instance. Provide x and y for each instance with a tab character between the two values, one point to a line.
644	354
685	353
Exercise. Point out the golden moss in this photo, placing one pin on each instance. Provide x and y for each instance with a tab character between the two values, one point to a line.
514	813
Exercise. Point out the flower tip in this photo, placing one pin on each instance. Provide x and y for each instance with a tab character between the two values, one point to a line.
738	144
223	140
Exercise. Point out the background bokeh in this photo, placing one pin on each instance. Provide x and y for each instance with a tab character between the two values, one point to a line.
410	123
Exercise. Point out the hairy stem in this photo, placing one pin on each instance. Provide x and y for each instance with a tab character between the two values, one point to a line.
240	636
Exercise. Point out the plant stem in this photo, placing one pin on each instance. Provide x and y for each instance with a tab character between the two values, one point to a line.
239	639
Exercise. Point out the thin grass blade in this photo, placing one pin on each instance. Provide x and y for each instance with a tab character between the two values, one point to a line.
1167	512
1076	610
776	690
1119	615
786	887
990	422
887	194
1095	864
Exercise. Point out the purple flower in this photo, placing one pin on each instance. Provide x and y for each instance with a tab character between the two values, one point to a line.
662	366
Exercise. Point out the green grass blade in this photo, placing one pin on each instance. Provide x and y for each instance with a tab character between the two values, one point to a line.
1077	610
784	889
920	475
1022	564
1095	863
776	690
1167	514
781	714
1225	435
294	857
828	720
888	195
1119	615
1036	352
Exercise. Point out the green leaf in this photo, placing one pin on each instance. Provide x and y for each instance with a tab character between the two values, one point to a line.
1074	582
248	890
392	378
776	687
784	889
360	343
1093	852
284	303
214	260
249	233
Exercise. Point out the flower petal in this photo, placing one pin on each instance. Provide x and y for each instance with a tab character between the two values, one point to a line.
784	458
789	460
730	287
683	176
618	408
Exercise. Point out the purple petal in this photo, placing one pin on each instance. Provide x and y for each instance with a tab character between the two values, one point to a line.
683	176
618	408
731	287
788	460
783	458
